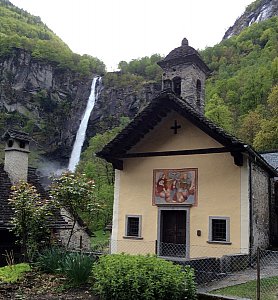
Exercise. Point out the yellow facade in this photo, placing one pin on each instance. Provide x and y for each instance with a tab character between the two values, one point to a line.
222	191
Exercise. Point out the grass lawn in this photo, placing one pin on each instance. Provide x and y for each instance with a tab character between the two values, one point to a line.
13	273
100	239
269	289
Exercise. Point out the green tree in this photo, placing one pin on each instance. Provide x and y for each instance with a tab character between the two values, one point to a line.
19	29
251	125
76	193
102	172
267	137
145	66
30	218
218	112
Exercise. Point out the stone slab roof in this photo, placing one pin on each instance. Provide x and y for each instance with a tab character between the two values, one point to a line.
5	209
16	134
184	54
155	111
271	158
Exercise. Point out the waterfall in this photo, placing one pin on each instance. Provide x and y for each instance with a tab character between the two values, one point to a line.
80	136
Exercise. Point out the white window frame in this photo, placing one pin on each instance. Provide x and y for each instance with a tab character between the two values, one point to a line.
227	219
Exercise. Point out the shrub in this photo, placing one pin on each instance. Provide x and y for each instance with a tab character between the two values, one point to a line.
51	260
191	289
13	273
123	276
77	267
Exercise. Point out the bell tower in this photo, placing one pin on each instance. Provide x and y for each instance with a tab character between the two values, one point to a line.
185	74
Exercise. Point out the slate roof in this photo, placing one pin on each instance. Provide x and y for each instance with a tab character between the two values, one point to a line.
16	134
271	158
5	208
184	54
153	113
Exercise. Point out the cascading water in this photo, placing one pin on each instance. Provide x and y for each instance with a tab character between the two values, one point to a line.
80	136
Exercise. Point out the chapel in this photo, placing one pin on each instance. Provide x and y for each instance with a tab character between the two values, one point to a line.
185	188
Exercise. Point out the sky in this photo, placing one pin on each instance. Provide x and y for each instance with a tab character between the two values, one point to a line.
116	30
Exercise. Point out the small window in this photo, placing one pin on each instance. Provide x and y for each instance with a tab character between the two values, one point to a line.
22	144
219	229
167	84
177	85
10	143
133	226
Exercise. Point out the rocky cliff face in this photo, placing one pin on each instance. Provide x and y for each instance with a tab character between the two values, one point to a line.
258	11
48	102
115	102
43	99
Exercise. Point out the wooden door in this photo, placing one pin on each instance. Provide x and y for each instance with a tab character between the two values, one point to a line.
173	232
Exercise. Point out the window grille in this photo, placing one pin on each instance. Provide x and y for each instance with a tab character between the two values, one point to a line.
219	229
133	226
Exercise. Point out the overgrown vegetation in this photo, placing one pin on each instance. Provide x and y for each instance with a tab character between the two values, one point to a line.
123	276
244	76
13	273
30	218
76	193
103	175
50	260
146	67
20	29
76	267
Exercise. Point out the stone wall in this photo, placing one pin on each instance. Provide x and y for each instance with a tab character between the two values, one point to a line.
16	164
78	234
189	75
274	213
260	185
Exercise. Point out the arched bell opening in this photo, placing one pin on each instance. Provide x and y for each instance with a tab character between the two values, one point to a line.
177	86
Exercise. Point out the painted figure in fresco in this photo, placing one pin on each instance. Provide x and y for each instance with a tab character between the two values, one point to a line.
186	186
175	186
174	190
162	188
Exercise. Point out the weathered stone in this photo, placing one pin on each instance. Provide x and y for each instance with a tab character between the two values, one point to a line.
258	11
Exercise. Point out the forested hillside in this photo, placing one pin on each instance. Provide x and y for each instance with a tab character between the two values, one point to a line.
20	29
44	86
242	91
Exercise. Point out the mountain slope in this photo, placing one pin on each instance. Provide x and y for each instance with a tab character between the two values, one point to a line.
245	74
257	11
20	29
44	86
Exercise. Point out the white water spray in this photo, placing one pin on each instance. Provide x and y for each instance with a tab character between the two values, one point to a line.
80	136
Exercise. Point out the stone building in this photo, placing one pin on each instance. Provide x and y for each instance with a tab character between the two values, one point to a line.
183	186
15	169
272	158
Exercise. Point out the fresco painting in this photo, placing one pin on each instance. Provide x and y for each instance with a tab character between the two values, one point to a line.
175	186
